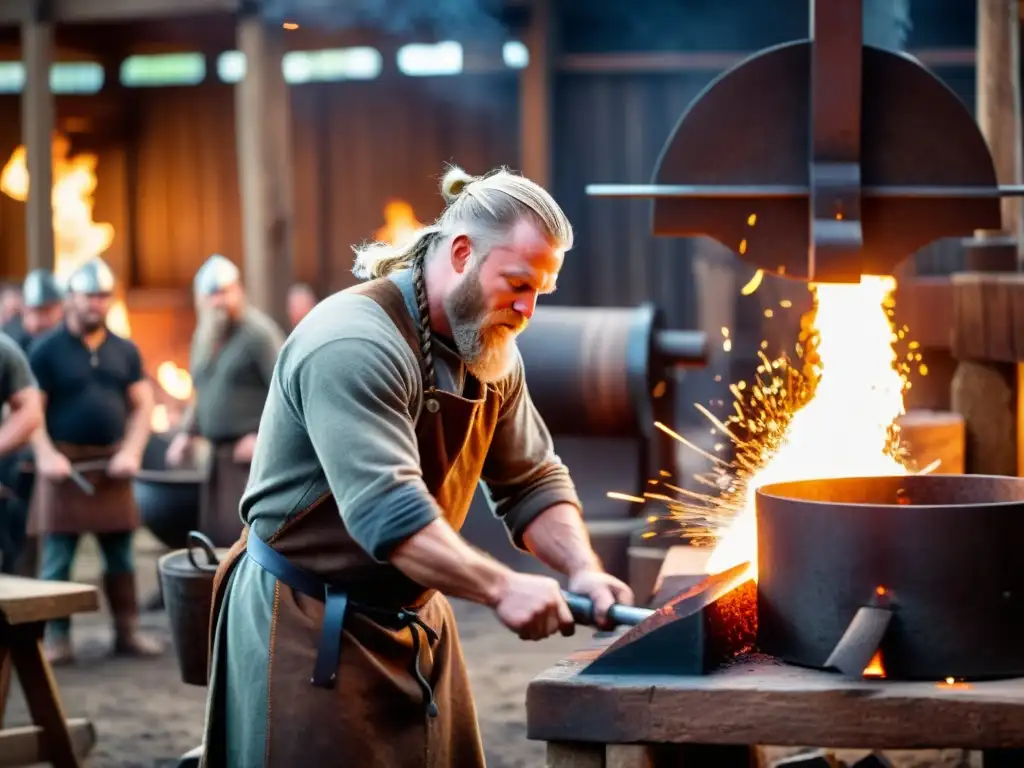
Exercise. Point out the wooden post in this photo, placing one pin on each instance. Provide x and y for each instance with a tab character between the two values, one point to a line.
37	118
998	99
535	96
985	391
263	126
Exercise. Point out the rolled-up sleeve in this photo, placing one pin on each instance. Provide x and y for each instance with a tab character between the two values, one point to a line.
353	396
522	473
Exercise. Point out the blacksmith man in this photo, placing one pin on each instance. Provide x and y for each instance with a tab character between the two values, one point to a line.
234	349
390	401
97	416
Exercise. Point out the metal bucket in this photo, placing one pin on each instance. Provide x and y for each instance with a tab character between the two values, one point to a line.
187	585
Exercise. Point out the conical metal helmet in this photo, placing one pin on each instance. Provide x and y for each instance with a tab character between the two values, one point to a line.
94	276
40	289
216	274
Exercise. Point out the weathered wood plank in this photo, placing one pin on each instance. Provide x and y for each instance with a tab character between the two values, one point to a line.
567	755
767	703
24	601
27	745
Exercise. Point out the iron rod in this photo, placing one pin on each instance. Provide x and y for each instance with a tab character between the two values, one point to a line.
705	191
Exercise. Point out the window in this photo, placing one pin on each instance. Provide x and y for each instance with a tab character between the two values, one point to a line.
298	67
65	77
12	76
163	69
76	77
427	60
515	54
332	64
231	66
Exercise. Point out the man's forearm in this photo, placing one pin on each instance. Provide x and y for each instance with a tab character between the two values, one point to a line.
559	539
439	558
136	434
18	429
41	443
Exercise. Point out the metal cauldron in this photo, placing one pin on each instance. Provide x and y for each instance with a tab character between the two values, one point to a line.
168	499
187	584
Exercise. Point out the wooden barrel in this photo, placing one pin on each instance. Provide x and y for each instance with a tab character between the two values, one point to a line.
935	435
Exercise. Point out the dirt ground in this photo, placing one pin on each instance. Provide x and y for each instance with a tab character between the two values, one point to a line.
145	717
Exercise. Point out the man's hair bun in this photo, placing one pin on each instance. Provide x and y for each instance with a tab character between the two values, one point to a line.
454	182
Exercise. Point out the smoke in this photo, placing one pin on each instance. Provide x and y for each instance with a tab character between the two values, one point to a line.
887	23
447	19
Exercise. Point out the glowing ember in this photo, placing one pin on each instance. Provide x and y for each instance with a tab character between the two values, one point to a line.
76	236
875	668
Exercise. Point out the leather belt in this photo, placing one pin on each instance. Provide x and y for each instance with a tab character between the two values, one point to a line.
336	607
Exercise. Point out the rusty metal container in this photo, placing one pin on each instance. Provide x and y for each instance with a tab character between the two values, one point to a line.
186	578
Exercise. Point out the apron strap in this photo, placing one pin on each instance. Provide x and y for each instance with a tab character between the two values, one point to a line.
335	606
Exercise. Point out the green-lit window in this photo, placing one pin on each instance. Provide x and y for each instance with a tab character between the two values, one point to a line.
163	69
331	64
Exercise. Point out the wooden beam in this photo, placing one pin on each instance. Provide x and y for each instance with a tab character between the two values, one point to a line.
535	96
75	11
263	120
37	118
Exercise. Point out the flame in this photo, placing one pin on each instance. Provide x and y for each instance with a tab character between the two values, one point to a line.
851	395
400	223
875	667
76	236
175	381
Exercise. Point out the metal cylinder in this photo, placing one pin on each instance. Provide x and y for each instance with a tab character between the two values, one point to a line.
591	372
943	549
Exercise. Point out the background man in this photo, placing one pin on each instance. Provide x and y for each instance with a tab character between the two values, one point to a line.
24	414
389	403
301	300
44	303
234	349
97	415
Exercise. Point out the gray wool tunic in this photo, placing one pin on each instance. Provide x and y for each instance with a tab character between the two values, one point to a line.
340	416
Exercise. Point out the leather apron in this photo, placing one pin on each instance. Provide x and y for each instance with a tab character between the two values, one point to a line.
221	494
398	692
61	506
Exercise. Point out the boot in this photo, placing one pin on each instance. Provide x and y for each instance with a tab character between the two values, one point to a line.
58	651
128	639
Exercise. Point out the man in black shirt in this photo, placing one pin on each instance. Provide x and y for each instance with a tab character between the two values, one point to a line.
25	414
97	423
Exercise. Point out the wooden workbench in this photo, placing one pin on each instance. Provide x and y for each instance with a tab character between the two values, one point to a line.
705	721
25	607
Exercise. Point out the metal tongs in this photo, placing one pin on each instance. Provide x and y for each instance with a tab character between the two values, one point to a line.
76	475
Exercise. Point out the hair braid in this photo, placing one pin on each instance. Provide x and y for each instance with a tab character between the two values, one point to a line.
423	326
